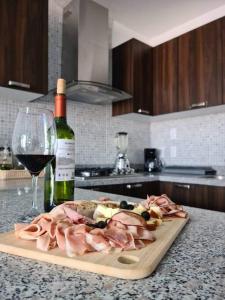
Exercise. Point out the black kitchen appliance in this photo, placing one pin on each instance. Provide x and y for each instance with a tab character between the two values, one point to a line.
152	163
190	170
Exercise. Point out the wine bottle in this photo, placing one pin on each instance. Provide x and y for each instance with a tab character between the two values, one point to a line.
59	174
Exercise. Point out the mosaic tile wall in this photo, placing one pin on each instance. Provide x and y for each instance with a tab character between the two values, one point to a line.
93	125
191	141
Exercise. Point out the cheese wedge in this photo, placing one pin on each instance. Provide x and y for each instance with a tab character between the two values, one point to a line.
105	212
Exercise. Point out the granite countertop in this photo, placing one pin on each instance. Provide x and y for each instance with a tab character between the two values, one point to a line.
193	268
143	177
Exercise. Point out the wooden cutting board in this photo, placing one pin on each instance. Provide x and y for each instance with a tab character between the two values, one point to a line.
134	264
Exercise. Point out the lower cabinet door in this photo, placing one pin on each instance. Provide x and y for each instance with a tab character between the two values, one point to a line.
112	189
195	195
137	190
177	192
216	198
142	189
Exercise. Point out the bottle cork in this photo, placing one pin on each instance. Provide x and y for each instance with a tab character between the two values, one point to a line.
61	86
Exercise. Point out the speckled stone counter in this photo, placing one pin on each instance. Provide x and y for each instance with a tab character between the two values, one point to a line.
193	268
190	179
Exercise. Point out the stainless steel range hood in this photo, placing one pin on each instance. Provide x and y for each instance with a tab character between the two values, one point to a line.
85	54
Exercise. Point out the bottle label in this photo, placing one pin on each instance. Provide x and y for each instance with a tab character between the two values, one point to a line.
65	160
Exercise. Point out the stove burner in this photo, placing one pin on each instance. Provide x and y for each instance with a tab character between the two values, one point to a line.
93	172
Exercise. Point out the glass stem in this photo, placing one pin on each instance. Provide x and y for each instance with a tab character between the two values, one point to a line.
34	186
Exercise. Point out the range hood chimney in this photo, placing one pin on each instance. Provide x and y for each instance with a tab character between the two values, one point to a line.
85	54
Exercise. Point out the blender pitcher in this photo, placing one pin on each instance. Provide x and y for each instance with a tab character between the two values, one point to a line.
121	142
122	165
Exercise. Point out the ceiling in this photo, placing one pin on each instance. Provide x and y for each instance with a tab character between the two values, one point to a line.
159	20
156	21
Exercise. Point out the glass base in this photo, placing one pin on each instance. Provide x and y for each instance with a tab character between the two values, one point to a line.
29	216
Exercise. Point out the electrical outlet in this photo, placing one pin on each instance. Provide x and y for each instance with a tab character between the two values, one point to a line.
173	133
162	152
173	151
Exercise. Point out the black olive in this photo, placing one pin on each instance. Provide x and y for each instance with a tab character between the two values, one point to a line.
101	224
123	205
130	207
92	225
145	215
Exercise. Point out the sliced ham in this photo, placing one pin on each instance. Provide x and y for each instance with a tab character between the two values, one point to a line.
163	206
68	210
138	232
129	218
47	223
65	228
141	233
97	241
181	214
29	232
60	234
45	242
76	241
120	237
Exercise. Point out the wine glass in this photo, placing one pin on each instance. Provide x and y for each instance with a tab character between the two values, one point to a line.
34	145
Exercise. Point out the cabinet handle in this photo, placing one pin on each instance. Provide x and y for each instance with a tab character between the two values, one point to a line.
198	105
142	111
19	84
137	185
184	186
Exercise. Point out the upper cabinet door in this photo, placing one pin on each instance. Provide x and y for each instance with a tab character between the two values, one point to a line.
165	77
132	73
200	67
122	76
24	44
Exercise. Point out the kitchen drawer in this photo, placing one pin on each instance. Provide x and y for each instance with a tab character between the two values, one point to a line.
138	190
178	192
195	195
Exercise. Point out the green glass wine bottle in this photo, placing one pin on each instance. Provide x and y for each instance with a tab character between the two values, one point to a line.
59	174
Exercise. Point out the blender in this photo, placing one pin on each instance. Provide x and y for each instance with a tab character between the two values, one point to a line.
122	165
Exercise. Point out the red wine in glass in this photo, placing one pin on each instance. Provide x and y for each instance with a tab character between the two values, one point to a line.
34	145
34	163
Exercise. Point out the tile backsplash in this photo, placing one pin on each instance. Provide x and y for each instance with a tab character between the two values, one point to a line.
94	129
191	141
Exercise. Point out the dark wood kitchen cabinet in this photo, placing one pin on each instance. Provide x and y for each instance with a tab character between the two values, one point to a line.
138	190
141	190
200	67
178	192
132	73
24	44
165	77
195	195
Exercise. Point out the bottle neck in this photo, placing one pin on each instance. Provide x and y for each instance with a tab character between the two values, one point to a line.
60	120
60	106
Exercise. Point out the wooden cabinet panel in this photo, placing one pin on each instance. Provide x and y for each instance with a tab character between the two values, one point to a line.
138	190
201	196
113	188
216	198
195	195
200	66
24	43
179	193
223	58
141	190
165	77
132	73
